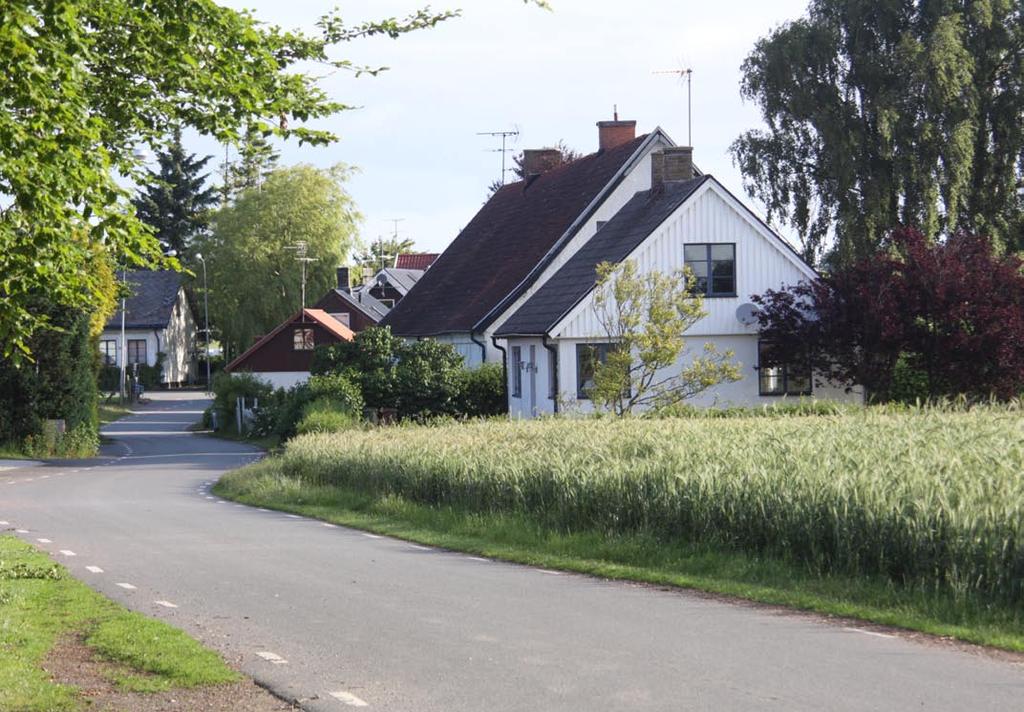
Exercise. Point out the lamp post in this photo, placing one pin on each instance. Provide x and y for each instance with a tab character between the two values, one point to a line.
206	319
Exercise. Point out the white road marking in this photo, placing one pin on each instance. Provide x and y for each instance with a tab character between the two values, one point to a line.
328	525
94	569
371	536
868	632
420	548
272	658
44	477
293	516
4	524
67	552
22	531
126	586
165	604
262	510
209	497
44	541
347	698
550	573
28	479
477	558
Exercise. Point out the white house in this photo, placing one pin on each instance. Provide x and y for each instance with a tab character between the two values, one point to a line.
158	324
674	219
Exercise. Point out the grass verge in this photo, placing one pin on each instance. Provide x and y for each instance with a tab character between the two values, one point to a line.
41	604
634	557
109	412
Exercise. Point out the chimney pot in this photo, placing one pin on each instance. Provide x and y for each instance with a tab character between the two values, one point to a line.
343	280
540	160
671	164
615	133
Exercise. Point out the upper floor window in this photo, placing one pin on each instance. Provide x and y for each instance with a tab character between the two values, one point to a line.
302	340
780	379
517	371
714	266
108	350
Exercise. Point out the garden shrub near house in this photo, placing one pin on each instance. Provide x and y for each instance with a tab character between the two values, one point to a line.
483	391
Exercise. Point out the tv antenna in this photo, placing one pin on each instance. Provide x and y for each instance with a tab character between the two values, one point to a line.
505	136
685	74
301	251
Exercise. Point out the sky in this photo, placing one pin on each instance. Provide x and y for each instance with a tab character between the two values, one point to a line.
504	65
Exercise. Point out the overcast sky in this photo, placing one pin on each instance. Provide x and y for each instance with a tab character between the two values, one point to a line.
505	65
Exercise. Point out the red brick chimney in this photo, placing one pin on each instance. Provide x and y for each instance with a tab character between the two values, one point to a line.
615	133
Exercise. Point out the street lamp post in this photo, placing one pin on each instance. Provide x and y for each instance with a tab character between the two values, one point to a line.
206	319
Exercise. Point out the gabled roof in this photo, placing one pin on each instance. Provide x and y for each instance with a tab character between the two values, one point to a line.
415	260
401	279
365	302
503	243
637	219
306	315
151	304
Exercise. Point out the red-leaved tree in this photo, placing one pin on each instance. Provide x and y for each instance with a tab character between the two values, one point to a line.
952	311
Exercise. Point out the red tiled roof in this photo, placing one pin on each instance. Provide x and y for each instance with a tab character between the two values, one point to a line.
318	315
415	260
501	245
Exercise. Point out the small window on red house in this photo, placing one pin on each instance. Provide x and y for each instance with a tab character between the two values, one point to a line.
302	340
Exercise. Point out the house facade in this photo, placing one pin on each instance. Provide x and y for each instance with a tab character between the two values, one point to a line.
678	219
521	236
158	327
355	308
283	357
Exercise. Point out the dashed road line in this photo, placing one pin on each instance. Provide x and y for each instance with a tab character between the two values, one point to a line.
44	477
868	632
477	558
4	524
165	604
328	525
68	552
293	516
272	657
549	572
347	698
45	541
94	569
126	586
371	536
420	548
21	531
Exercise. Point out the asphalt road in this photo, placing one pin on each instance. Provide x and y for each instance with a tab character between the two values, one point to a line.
336	618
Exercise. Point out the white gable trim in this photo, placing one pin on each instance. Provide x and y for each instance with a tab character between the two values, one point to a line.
773	240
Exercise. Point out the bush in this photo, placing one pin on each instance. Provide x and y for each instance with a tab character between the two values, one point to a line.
340	389
483	391
326	416
228	388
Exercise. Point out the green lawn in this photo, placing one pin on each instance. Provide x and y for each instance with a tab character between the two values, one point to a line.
40	604
912	519
109	412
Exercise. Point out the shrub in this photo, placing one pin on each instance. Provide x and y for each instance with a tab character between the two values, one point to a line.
428	379
326	416
483	391
340	389
228	388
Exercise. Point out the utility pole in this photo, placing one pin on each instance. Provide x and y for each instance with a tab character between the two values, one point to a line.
687	75
505	135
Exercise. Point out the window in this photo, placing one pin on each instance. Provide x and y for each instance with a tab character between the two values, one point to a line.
137	351
302	340
587	357
108	350
517	372
780	379
344	317
714	266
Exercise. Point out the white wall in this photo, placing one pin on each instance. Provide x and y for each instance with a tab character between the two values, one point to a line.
471	353
279	379
147	335
535	369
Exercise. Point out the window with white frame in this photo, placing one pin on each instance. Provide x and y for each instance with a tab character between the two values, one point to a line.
137	351
108	350
302	340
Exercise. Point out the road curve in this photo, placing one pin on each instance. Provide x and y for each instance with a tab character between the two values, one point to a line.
336	618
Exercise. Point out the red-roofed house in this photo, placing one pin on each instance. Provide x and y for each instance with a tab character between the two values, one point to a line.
282	358
416	260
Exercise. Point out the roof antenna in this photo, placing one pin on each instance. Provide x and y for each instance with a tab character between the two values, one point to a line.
301	248
685	73
505	135
615	111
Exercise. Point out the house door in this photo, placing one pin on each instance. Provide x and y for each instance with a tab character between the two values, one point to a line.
531	369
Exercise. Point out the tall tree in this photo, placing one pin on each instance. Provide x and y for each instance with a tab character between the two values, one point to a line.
253	237
892	113
256	159
84	83
174	200
381	253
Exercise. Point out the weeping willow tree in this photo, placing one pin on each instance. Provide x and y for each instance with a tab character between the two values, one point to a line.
882	113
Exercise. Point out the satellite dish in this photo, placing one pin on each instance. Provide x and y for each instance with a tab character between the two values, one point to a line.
746	314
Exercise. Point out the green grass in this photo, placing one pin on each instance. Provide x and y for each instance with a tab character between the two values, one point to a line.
109	412
40	604
909	518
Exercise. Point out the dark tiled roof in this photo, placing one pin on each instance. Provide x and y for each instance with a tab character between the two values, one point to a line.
501	245
612	243
365	302
401	279
153	294
415	260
